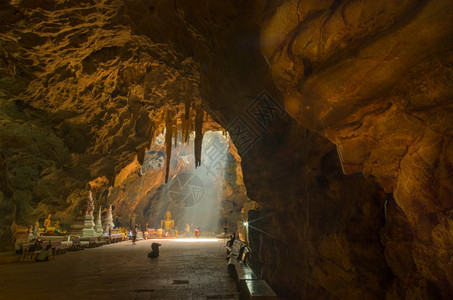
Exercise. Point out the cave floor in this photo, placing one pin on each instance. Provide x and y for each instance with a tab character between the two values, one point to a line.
123	271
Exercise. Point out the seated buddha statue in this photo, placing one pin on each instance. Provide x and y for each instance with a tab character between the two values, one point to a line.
167	223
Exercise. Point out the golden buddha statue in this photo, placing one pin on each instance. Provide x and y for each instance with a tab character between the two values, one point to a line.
167	223
47	222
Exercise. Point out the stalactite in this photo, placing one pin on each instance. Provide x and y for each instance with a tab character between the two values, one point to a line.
192	116
198	134
191	121
187	103
186	122
141	155
183	129
142	150
151	133
168	136
175	130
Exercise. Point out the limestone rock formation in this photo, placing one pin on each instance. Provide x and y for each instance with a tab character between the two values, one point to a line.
375	79
8	208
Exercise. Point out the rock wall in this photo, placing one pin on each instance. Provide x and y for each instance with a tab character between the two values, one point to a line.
83	84
375	79
8	209
81	96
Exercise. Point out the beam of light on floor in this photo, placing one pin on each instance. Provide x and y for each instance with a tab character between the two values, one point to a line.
188	240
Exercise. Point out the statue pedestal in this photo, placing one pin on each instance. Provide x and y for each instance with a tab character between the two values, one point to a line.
98	228
83	226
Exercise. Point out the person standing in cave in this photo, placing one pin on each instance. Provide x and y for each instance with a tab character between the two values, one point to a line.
232	239
197	232
134	234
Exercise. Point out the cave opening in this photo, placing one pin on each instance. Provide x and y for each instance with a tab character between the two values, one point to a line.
210	196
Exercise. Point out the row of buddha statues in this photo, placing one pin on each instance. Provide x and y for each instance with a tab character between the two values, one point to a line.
86	226
83	226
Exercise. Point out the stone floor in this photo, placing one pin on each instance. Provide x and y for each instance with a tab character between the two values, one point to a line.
123	271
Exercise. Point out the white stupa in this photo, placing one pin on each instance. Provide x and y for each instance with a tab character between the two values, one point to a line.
108	221
84	226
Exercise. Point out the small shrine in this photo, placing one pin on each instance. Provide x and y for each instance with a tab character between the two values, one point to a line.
84	225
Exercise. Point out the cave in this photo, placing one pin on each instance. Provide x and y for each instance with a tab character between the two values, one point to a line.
321	132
